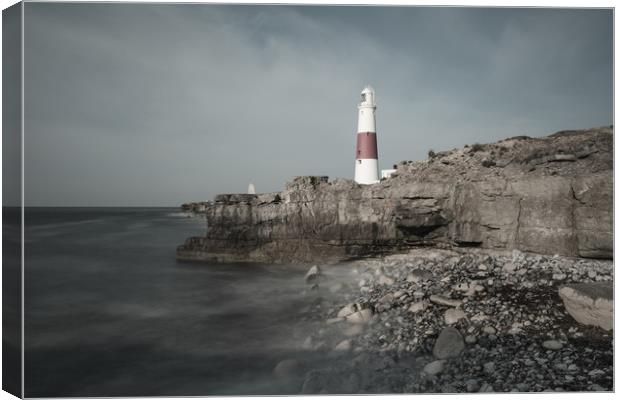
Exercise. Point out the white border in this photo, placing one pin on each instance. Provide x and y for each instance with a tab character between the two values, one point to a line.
479	3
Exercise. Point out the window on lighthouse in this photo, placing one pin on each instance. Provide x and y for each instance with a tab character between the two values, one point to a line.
363	97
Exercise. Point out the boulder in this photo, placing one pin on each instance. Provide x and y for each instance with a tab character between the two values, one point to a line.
590	303
313	275
449	344
435	367
347	310
360	317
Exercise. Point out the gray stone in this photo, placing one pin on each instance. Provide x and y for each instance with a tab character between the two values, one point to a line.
360	317
435	367
509	267
419	306
313	275
489	367
445	301
590	303
472	385
347	310
449	344
453	315
489	330
552	345
387	299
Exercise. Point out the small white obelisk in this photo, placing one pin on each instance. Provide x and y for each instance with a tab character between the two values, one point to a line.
251	189
366	159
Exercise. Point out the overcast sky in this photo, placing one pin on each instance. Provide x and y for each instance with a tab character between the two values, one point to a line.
155	105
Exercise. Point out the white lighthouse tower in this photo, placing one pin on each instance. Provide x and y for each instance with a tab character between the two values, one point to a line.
366	160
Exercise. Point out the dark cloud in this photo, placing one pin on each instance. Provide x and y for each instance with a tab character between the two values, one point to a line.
160	104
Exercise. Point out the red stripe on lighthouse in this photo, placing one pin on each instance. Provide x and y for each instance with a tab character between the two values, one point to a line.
366	145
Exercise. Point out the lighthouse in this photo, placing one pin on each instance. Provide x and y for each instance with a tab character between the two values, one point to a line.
366	160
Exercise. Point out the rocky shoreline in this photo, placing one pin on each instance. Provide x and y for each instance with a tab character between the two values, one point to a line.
551	195
445	322
487	268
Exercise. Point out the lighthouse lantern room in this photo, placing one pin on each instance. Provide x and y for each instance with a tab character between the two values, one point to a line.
366	160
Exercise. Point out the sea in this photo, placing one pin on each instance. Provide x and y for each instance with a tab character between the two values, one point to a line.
109	311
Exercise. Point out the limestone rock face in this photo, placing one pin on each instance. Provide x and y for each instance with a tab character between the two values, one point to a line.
549	195
590	303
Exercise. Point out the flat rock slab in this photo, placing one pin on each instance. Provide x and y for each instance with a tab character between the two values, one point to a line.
590	303
453	315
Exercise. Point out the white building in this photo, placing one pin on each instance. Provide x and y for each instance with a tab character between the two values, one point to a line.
386	173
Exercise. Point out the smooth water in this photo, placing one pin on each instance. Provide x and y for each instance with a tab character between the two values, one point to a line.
110	312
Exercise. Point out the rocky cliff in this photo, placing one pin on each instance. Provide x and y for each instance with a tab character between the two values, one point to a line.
550	195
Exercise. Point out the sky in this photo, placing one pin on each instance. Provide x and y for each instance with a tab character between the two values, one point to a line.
156	105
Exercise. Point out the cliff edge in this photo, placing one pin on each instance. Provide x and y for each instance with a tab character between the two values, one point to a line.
551	195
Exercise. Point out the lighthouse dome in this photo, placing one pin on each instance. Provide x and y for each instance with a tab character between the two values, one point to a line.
368	96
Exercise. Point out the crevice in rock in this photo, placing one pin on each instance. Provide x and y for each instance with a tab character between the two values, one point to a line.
462	243
518	223
491	227
418	197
